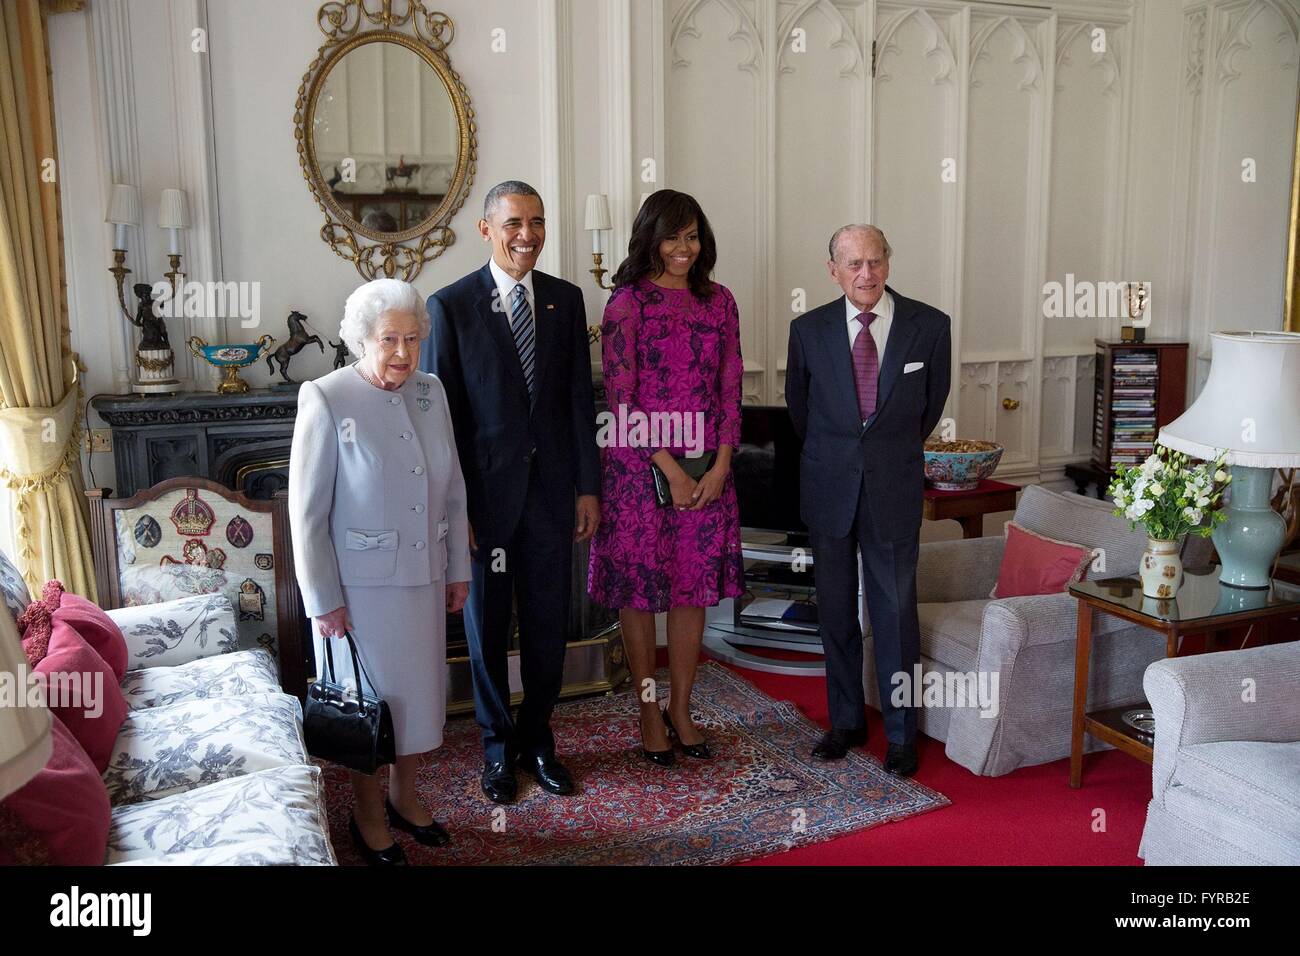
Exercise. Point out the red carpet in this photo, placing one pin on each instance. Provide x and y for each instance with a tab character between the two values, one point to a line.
1030	816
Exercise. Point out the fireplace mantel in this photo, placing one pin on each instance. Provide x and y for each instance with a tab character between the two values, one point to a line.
241	441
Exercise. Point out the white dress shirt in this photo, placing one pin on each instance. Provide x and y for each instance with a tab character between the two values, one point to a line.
884	310
506	286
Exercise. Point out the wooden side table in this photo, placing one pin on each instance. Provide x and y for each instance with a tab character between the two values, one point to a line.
968	508
1202	605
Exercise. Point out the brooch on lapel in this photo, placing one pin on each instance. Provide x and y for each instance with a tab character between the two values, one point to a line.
423	387
423	403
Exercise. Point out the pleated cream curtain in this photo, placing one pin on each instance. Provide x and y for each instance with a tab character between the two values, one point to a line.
40	398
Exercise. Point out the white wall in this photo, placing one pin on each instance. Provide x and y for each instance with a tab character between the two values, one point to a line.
1117	166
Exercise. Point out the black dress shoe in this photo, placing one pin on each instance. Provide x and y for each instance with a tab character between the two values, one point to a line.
498	780
699	751
432	835
836	743
550	773
900	759
389	856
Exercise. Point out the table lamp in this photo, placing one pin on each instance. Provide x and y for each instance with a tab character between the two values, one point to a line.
24	730
1250	406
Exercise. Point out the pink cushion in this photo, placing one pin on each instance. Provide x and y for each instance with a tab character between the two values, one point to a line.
64	807
96	629
1034	564
97	716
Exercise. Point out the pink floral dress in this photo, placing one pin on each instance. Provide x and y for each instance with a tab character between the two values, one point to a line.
665	351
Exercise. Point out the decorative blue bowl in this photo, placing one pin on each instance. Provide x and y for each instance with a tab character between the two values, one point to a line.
960	465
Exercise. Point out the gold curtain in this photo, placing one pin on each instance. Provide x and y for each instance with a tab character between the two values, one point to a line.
40	398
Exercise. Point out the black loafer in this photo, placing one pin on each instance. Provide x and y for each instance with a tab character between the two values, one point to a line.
900	759
835	744
432	835
699	751
550	773
392	855
499	783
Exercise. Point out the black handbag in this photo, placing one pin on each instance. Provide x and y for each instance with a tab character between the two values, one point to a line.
694	467
346	726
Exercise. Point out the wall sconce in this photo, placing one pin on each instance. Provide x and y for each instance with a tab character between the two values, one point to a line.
598	221
173	217
123	211
154	359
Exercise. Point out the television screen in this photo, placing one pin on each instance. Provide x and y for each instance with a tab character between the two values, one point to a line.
766	470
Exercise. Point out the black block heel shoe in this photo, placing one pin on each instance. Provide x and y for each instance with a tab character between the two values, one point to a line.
699	751
432	835
389	856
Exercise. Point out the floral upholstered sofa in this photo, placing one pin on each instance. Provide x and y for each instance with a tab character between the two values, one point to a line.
209	765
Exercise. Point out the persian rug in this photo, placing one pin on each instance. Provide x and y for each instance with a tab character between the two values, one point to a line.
760	794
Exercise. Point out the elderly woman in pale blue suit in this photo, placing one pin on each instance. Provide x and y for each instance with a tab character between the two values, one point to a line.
381	539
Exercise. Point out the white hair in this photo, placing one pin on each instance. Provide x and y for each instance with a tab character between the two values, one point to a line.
368	302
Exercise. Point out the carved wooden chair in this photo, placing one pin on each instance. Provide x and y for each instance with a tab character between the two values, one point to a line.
192	536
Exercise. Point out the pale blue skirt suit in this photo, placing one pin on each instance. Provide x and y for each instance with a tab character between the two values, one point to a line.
377	512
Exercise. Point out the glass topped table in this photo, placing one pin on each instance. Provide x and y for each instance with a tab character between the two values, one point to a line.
1202	605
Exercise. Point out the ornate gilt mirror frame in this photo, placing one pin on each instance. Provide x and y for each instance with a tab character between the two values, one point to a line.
427	33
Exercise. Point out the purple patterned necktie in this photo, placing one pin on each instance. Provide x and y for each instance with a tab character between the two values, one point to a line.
866	365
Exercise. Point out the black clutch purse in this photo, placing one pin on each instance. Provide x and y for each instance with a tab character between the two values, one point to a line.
346	726
695	467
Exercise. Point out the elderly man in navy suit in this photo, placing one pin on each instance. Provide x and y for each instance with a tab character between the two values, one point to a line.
866	381
510	346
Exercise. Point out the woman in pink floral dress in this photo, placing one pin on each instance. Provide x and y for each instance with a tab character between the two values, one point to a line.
670	343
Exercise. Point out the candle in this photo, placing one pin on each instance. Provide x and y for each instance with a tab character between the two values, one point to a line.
174	241
119	234
595	240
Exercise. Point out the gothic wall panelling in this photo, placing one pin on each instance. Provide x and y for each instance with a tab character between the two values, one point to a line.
1242	62
717	149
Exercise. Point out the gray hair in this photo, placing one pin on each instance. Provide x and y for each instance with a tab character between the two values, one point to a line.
511	187
368	302
861	227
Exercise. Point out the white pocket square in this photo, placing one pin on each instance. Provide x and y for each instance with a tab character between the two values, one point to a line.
912	367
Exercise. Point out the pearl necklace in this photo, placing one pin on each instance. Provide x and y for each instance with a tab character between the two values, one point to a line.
379	385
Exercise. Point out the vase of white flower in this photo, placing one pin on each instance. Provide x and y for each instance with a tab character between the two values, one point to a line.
1162	568
1170	497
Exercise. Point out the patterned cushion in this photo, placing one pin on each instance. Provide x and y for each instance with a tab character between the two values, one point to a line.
13	589
226	675
192	541
281	807
177	632
165	750
263	851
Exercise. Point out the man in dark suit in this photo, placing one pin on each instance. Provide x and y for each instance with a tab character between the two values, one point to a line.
866	380
510	346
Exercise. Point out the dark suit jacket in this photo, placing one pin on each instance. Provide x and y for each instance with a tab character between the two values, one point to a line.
471	349
838	449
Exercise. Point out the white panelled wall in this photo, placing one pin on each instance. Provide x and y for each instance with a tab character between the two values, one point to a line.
999	146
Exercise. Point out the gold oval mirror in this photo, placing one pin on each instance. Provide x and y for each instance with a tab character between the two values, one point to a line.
386	135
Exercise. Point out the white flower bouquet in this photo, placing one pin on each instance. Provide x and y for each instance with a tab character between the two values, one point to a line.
1169	495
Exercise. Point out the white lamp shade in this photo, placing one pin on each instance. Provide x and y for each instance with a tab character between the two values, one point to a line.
598	211
124	206
1250	404
172	213
24	731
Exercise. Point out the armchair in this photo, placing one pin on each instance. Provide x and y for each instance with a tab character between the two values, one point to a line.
1027	642
1225	782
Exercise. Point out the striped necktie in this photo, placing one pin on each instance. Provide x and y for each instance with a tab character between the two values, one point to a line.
866	365
521	326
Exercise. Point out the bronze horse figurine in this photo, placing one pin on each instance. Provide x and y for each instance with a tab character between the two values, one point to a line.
298	338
